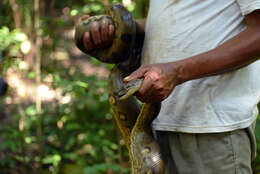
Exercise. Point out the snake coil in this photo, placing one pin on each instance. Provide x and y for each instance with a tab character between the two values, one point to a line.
134	122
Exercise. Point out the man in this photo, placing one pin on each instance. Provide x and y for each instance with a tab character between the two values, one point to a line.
200	60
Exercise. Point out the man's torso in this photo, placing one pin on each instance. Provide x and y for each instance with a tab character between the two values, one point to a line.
179	29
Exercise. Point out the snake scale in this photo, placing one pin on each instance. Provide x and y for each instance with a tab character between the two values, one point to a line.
133	121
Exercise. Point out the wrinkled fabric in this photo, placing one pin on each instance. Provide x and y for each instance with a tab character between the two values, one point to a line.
208	153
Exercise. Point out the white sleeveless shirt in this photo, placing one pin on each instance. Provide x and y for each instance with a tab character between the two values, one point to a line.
179	29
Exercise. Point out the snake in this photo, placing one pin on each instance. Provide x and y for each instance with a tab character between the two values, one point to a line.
133	120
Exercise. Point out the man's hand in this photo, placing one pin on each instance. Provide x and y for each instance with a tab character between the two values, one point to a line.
159	81
100	35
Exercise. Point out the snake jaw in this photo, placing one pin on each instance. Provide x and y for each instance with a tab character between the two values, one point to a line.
130	88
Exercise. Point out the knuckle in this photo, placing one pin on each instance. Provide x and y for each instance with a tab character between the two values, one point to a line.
158	86
156	77
141	92
86	37
104	22
103	27
137	73
143	66
111	26
111	30
95	26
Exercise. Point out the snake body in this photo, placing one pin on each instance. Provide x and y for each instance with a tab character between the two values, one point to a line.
134	122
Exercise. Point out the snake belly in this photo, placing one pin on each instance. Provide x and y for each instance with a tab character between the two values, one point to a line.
133	122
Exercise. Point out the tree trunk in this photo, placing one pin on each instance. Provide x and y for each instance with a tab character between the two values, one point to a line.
38	44
16	13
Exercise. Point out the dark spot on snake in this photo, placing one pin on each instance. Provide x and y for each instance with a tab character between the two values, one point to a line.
126	17
125	55
117	6
99	19
133	51
138	57
126	38
120	58
106	17
116	57
121	67
93	18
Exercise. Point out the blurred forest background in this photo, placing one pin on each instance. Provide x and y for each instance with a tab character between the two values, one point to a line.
55	117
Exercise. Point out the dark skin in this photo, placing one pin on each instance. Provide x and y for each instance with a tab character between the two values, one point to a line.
101	34
160	79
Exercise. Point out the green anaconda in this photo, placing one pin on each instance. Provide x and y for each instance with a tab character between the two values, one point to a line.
134	122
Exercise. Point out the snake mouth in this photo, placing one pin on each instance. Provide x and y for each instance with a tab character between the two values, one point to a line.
129	89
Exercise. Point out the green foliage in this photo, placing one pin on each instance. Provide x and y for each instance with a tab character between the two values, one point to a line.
5	16
10	41
77	128
102	168
257	134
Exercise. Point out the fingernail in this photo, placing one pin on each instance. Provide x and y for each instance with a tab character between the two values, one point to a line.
87	35
127	78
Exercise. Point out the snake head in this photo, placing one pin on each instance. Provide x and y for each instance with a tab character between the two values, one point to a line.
130	88
118	88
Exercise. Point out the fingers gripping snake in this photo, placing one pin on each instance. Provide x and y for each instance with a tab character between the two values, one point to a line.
134	122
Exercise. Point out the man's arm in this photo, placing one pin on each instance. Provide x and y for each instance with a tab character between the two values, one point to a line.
237	52
160	79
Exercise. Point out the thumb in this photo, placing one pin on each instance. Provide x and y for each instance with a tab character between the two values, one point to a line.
84	17
139	73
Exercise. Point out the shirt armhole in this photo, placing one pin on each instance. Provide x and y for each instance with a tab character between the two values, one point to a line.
248	7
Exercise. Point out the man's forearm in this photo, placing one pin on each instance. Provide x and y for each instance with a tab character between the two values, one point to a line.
160	79
237	52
